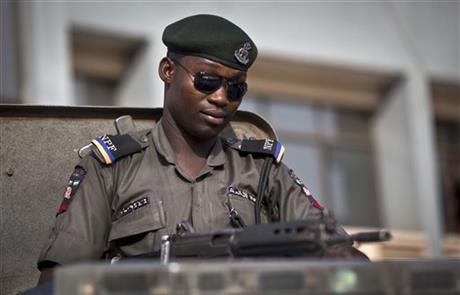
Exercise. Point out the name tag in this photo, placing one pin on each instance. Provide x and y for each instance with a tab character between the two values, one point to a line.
241	193
133	206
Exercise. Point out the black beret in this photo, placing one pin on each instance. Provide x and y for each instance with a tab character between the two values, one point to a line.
211	37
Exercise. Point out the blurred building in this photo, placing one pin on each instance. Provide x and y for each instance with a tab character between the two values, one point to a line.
364	95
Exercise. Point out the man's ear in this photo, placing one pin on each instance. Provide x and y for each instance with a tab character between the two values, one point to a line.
166	70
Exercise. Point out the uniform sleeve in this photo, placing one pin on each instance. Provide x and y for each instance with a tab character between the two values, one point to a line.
294	199
296	202
83	220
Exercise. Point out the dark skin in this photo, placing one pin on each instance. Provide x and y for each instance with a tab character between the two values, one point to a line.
192	120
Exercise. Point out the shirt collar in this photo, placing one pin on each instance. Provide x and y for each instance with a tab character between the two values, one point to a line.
162	143
216	156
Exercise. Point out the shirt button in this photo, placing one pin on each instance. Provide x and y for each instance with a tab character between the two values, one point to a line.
144	139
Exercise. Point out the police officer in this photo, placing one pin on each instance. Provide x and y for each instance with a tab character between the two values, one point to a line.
135	188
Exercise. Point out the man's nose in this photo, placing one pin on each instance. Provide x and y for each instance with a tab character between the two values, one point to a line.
219	97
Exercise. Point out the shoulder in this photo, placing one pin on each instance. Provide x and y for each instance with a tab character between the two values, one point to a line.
108	149
261	148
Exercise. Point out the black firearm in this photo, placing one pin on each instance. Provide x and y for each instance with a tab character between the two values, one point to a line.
308	237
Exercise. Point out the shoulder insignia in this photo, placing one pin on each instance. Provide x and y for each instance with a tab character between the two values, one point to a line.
306	191
74	182
110	148
269	147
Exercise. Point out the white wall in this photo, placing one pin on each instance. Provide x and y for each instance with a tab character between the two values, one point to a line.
377	35
8	54
46	74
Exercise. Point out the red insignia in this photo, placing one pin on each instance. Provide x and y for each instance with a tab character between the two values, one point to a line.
310	198
74	182
63	208
306	191
315	203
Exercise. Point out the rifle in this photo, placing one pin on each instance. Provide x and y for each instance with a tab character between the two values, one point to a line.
308	237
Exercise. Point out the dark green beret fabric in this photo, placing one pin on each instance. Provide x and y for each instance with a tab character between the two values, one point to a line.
211	37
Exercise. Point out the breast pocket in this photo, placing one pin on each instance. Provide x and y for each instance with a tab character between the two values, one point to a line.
139	231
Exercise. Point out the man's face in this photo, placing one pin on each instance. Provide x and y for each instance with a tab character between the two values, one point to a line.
199	114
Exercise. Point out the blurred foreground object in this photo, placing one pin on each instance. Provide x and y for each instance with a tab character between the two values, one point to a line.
261	277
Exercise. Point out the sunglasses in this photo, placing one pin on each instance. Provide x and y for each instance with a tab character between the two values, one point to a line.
209	83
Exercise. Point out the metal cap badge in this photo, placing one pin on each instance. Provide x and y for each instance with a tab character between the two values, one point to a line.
242	53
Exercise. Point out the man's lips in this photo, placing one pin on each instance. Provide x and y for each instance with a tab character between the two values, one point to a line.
214	116
215	113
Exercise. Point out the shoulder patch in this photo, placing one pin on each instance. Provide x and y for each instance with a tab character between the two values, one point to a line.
306	191
110	148
269	147
74	182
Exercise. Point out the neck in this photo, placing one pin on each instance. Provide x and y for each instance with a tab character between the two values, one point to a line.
191	153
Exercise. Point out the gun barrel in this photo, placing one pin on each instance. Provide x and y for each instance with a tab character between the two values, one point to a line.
373	236
362	237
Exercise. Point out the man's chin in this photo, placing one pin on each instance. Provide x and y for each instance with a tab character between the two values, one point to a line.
209	131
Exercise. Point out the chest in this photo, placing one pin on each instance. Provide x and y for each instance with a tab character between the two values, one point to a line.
205	202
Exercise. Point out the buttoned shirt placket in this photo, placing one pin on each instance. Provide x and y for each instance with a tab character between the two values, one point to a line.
199	188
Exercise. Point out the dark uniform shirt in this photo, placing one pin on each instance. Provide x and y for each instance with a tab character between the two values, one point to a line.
144	195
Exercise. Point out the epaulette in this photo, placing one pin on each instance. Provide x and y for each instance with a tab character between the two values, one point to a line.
268	147
110	148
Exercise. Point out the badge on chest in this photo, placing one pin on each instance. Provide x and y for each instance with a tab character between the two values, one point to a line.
240	193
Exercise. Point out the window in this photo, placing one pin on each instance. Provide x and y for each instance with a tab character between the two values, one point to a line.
446	107
101	61
448	140
330	150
